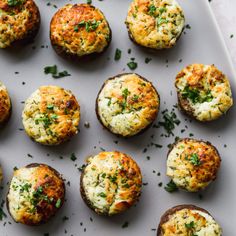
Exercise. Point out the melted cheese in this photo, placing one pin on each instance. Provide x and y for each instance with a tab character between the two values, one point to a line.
127	104
155	24
112	182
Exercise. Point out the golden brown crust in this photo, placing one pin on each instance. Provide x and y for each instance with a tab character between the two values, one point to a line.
19	24
5	105
193	164
143	101
119	186
203	92
51	115
165	217
47	195
79	30
155	24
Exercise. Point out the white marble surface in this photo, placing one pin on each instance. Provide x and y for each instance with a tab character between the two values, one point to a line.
225	15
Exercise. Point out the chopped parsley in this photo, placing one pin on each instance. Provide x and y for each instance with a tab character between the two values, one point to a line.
73	157
135	98
89	1
190	225
125	225
132	65
169	122
147	60
117	54
43	119
152	10
58	203
13	3
195	160
102	195
89	25
171	187
50	107
195	96
161	21
54	72
125	93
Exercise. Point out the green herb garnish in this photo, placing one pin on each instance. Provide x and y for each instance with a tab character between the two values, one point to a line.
50	70
44	119
13	3
125	93
195	96
195	160
161	21
125	225
58	203
50	107
117	54
135	98
61	75
169	122
190	225
171	187
132	65
102	194
152	10
89	25
54	72
73	157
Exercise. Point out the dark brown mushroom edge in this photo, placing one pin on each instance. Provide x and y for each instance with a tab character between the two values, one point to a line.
155	24
79	31
203	92
110	183
20	22
188	220
193	164
127	104
36	193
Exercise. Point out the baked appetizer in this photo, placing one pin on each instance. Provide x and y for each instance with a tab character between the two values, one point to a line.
19	22
36	193
188	220
203	91
110	183
193	164
5	104
51	115
155	24
79	30
127	104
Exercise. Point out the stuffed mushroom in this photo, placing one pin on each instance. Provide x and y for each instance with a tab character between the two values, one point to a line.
51	115
127	104
186	220
193	164
203	91
79	30
36	193
5	104
110	183
19	22
156	24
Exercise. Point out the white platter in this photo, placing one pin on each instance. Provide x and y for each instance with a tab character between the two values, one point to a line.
202	44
